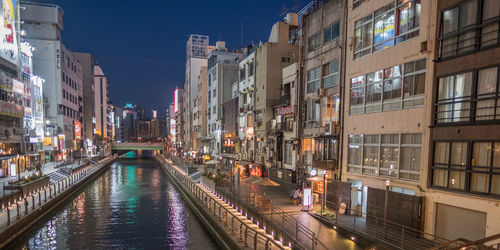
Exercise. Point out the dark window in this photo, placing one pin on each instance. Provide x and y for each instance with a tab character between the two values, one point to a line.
332	32
468	27
314	42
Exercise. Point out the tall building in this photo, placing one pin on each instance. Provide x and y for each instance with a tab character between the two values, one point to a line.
200	140
101	103
21	102
129	116
246	88
87	62
197	50
119	124
463	109
222	72
141	112
63	78
270	58
388	97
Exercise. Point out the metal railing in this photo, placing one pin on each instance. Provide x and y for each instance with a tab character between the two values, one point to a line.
280	220
32	201
383	231
252	235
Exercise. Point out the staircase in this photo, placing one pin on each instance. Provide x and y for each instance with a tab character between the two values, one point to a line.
57	176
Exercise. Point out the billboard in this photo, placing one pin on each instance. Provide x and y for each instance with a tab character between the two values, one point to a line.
9	45
78	130
176	100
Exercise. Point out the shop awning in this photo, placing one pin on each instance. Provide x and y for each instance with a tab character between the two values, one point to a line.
7	157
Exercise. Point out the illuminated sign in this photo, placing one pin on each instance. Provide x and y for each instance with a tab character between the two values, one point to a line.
17	86
78	130
307	201
128	105
154	113
176	100
8	41
285	110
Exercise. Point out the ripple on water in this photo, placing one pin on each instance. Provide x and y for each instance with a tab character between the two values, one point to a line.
130	206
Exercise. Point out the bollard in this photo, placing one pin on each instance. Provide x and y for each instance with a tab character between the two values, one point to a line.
25	206
39	198
8	215
33	200
18	210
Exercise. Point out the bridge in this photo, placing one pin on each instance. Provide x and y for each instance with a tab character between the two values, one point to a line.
129	146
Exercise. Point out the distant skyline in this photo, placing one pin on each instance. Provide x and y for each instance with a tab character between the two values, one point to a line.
141	45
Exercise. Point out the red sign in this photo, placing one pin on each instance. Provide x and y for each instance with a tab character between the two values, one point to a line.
78	130
285	110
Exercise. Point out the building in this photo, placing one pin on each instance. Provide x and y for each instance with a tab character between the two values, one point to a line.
229	135
222	73
271	57
197	50
20	109
246	88
101	105
119	124
285	128
464	111
63	78
200	141
87	62
386	114
323	58
143	130
129	116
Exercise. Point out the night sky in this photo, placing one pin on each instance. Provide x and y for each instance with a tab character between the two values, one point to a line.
141	44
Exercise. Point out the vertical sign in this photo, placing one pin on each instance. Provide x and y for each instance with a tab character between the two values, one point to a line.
78	130
176	100
307	200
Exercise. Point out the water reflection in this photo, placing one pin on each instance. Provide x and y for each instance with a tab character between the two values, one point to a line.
131	206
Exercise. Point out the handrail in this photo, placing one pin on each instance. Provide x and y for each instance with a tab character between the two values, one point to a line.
213	200
50	192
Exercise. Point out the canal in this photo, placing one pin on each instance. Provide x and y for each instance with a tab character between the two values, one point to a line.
130	206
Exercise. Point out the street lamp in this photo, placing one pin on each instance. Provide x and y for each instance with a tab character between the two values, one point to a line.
386	203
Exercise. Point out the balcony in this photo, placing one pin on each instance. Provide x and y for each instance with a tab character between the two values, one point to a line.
285	100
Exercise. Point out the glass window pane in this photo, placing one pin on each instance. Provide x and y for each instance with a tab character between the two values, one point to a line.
468	12
463	85
450	21
481	154
487	81
354	155
441	153
479	182
491	9
439	178
457	179
389	158
458	153
446	88
370	156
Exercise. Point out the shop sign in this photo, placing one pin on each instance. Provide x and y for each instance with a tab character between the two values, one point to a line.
9	45
9	109
33	140
17	86
307	201
78	130
285	110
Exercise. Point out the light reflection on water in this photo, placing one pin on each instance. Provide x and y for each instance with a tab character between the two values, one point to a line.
130	206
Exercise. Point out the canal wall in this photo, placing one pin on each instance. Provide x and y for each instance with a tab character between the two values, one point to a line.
228	226
11	230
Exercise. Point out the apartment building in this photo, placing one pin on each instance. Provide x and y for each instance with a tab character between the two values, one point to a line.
387	107
246	87
322	57
200	142
464	176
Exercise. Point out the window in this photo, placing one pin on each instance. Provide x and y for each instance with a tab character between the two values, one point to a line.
397	87
363	34
325	149
356	3
330	108
452	168
250	69
392	24
386	155
314	42
331	74
312	111
313	79
357	95
462	32
457	102
242	74
332	32
288	152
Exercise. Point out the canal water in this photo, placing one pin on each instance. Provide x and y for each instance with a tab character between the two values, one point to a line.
130	206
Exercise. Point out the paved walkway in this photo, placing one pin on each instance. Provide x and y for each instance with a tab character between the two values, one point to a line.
47	168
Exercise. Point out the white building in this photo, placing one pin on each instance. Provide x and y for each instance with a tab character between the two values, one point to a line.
222	73
101	103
